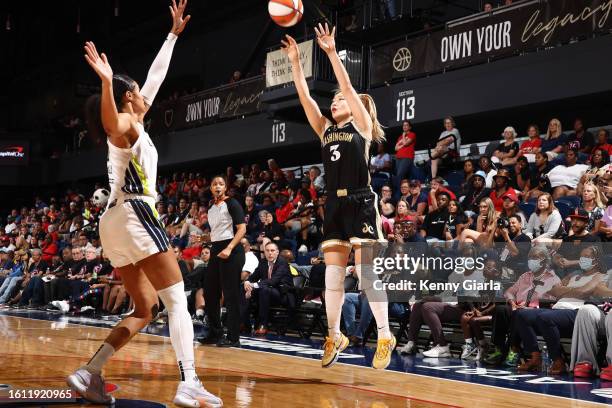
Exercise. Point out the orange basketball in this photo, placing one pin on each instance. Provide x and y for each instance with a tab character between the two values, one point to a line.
286	13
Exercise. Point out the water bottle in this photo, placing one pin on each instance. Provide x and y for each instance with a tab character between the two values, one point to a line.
545	360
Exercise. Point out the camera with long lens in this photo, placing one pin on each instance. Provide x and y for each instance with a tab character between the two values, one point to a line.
503	222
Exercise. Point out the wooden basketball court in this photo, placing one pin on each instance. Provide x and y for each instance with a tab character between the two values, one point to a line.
39	354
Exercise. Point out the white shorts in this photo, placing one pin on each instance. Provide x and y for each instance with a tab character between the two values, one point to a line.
130	231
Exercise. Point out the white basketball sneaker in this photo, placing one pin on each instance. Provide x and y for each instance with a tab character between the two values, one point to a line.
90	386
195	395
437	352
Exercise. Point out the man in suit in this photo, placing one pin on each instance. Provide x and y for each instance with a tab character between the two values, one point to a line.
271	282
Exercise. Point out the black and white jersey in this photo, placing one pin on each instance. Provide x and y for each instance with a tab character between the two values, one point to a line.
345	158
223	219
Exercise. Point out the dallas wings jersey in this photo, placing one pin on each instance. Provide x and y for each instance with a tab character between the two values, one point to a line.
133	170
345	158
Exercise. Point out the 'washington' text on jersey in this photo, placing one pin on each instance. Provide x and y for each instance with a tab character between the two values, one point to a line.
337	137
345	158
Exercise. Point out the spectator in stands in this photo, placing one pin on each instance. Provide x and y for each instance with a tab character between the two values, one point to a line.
487	167
114	294
386	203
486	223
236	76
559	321
433	311
435	225
581	140
49	249
272	282
469	169
15	276
502	186
416	200
510	207
525	293
603	138
487	7
567	257
476	192
554	140
564	178
404	153
539	182
545	221
380	168
533	144
272	229
522	176
251	210
402	212
517	244
448	145
404	191
457	220
478	312
34	290
592	204
600	160
508	149
591	322
437	185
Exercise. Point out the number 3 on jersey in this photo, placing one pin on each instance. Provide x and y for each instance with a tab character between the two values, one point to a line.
333	149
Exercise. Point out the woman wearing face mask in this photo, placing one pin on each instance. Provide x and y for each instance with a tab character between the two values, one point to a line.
227	228
559	321
526	293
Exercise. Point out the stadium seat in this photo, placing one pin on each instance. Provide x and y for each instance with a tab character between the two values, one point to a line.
527	208
564	208
572	201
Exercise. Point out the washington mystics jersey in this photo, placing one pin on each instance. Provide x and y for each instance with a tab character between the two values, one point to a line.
345	158
133	171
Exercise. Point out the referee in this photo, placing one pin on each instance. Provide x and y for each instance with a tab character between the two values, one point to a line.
227	227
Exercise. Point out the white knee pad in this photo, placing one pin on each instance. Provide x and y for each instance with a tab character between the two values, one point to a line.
181	326
334	277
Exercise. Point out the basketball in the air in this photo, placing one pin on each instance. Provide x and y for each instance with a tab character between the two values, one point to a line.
286	13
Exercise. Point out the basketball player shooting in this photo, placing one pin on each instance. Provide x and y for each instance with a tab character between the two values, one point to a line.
131	233
351	216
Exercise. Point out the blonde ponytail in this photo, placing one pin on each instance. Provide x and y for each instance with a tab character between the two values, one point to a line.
378	133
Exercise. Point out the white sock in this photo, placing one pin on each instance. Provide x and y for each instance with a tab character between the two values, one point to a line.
98	360
409	345
380	309
334	298
199	312
468	341
181	329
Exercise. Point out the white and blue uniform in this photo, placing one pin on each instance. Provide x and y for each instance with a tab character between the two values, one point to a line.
130	229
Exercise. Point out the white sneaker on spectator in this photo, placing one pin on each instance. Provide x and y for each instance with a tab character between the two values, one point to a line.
90	386
409	348
190	395
437	352
62	305
470	352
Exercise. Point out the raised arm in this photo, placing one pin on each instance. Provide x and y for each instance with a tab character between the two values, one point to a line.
159	67
115	124
362	118
313	113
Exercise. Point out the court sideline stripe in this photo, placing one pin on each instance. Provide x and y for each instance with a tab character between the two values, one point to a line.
574	400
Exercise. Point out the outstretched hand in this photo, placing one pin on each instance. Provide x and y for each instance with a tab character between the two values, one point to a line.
98	63
290	48
178	22
325	38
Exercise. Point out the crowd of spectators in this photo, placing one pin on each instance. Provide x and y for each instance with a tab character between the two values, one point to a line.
537	211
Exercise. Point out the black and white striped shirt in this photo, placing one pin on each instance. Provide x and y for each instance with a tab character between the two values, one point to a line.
223	219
